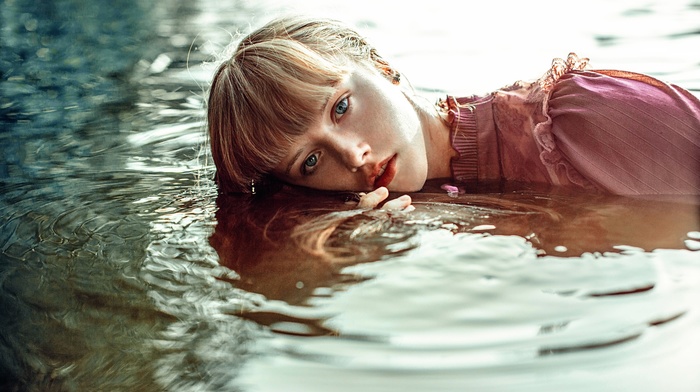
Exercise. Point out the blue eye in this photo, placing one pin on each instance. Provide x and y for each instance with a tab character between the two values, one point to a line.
311	161
309	164
342	106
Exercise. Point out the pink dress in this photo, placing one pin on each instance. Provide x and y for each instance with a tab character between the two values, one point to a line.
612	131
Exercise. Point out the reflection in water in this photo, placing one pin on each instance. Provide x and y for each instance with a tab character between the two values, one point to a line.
286	245
121	269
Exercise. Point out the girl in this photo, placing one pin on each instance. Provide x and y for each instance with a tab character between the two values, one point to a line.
309	102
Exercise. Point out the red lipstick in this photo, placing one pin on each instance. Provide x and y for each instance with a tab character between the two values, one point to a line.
385	172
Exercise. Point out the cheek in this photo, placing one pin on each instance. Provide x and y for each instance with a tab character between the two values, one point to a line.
332	176
389	115
406	118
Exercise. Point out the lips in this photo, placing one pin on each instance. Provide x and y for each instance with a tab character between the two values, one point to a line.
385	172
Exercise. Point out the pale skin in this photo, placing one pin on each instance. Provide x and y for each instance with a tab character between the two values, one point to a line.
370	137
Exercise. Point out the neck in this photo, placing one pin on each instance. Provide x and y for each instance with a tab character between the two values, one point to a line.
436	133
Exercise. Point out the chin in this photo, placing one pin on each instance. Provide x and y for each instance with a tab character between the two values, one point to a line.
413	186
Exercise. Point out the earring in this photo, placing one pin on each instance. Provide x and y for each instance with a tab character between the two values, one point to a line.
252	187
354	170
396	78
390	73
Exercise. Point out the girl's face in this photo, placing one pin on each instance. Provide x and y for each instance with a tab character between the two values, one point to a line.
367	136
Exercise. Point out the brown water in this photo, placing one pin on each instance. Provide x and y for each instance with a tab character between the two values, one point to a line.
121	269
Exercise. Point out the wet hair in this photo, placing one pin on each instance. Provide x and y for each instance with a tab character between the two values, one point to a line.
270	91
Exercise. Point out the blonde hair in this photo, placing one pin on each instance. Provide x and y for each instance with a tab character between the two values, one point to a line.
271	90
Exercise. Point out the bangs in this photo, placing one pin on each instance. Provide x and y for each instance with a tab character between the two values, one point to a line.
291	84
287	87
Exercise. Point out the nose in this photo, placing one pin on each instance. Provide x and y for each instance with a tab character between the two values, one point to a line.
353	153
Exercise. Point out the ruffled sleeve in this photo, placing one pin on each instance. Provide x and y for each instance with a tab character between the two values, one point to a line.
560	170
528	150
622	132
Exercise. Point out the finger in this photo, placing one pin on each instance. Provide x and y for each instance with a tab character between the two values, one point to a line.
400	203
354	198
373	198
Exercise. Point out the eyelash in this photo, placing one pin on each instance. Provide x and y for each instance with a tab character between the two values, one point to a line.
308	170
345	102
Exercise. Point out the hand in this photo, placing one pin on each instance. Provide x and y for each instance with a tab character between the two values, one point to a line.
372	200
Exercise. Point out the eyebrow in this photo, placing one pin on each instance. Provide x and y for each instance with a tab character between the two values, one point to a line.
328	101
294	159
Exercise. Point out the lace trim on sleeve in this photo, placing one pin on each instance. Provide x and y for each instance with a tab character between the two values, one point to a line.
561	67
550	155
